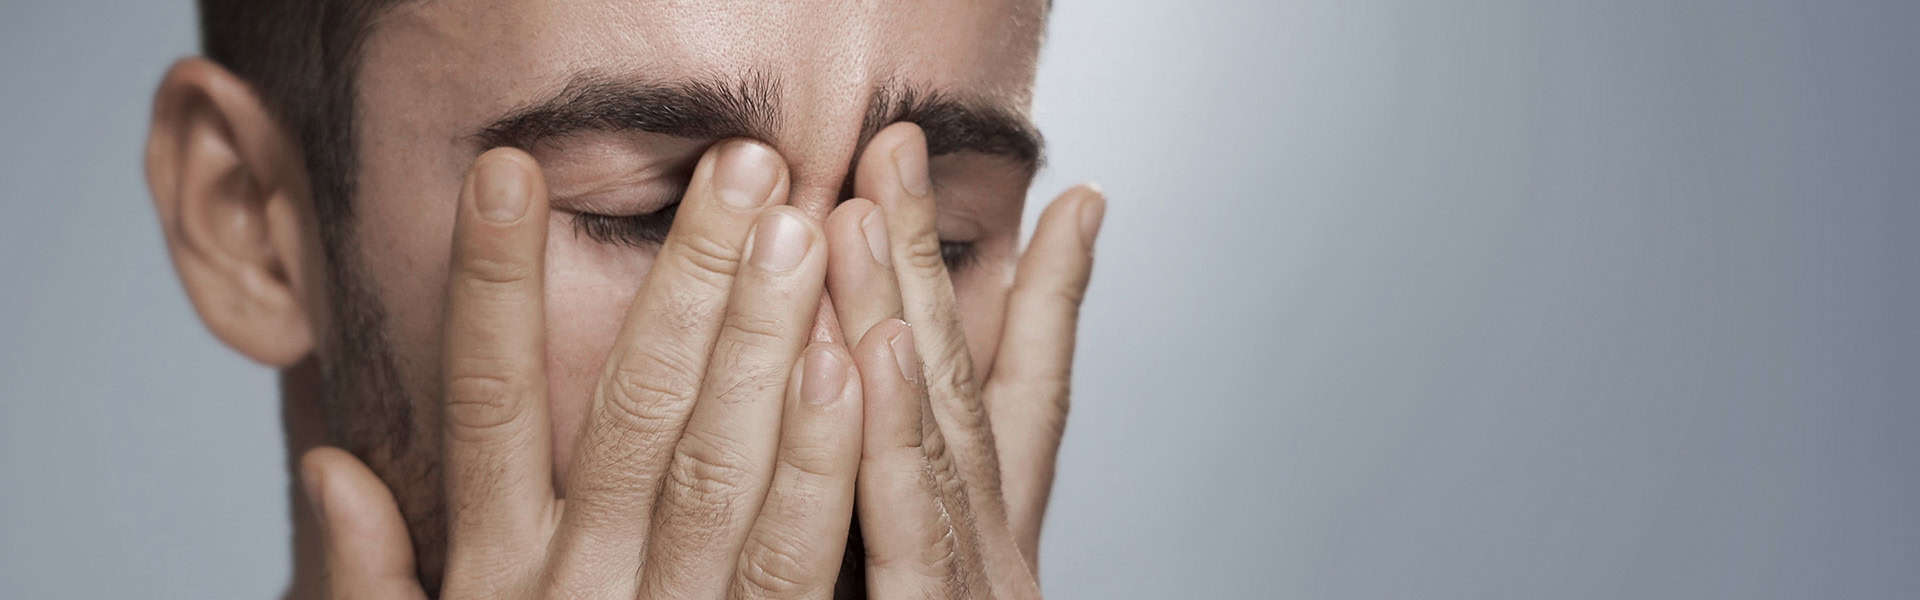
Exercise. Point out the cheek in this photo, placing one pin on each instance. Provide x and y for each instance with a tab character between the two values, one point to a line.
589	286
401	243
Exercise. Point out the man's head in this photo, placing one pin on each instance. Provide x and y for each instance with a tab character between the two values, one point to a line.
306	177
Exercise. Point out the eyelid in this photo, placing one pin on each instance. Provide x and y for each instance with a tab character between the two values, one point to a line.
617	175
640	231
624	202
955	227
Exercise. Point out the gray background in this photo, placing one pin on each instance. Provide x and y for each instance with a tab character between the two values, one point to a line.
1398	300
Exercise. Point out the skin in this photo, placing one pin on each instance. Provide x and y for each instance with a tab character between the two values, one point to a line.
625	421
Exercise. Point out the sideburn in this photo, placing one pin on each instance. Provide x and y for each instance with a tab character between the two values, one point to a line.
369	412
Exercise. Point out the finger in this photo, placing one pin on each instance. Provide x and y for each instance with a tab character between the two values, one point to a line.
911	520
795	547
654	371
364	537
860	268
720	469
1027	395
498	465
893	171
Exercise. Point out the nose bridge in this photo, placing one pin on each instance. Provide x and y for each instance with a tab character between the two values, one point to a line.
827	76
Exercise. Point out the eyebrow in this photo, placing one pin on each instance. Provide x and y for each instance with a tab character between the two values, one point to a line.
955	125
749	107
698	109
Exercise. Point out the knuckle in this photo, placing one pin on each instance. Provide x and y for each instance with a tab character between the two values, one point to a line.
1051	387
969	413
923	252
936	556
706	473
795	500
953	389
479	402
1063	294
934	447
947	479
751	382
954	374
941	554
1060	392
810	459
687	312
478	270
939	472
1069	295
705	259
777	565
603	499
750	331
650	395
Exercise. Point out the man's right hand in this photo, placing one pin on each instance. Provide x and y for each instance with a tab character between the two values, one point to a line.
720	452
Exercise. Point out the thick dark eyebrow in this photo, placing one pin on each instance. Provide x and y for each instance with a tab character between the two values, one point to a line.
955	125
697	109
749	107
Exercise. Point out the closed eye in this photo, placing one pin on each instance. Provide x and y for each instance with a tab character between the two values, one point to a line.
640	231
650	230
957	255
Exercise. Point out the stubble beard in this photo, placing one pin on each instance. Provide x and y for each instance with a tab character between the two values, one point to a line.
370	413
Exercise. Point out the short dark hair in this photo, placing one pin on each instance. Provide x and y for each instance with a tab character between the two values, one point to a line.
301	57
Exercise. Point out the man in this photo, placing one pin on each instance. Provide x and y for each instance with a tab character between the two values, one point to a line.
616	298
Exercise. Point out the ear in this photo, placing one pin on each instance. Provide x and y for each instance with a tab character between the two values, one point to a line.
231	193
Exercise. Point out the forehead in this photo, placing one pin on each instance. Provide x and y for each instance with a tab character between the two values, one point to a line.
821	52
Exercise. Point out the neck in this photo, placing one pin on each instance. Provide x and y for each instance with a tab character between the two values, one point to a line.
305	427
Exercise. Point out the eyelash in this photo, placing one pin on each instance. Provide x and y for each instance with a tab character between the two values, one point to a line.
639	231
650	230
957	255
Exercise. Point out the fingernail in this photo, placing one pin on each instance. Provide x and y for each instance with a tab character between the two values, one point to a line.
910	165
822	376
500	190
1092	211
874	225
744	174
904	356
779	241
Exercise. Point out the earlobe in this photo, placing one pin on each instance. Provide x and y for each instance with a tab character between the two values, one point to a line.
231	196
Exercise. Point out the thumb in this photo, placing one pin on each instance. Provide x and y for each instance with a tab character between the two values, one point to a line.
367	551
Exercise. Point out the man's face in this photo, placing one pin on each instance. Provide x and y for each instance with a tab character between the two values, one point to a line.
617	99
